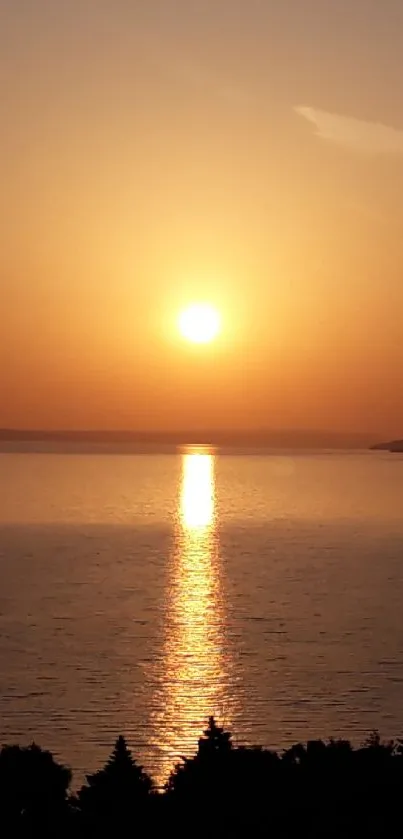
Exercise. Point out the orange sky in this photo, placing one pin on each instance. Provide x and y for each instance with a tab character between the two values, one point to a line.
163	151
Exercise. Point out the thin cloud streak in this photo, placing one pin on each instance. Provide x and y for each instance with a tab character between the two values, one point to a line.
358	135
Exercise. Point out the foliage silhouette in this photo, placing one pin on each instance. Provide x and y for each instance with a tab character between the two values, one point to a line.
322	789
33	790
199	774
117	792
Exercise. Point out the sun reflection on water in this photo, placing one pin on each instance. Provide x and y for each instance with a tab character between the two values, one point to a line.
196	665
198	492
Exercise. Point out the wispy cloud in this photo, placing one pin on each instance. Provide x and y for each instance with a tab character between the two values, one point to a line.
355	134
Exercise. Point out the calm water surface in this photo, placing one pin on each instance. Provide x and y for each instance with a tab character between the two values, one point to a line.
140	594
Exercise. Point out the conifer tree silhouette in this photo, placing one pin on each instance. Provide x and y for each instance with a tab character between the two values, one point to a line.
118	791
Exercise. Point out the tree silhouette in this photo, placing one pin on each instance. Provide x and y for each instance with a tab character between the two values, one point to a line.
215	740
33	789
206	772
321	789
116	792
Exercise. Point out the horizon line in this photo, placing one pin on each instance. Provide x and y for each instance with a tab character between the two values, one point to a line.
207	436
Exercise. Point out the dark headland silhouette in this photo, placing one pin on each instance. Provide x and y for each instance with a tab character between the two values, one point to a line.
393	446
261	438
321	789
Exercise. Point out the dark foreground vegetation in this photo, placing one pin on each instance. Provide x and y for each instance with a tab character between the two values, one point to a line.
320	789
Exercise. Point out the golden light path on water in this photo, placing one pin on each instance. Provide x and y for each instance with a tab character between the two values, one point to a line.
196	663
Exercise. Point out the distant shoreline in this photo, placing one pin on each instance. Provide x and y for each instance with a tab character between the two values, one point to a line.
395	446
288	439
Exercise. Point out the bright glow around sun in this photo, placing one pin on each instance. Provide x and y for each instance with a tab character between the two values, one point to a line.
200	323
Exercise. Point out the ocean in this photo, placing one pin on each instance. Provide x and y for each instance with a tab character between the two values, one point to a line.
141	593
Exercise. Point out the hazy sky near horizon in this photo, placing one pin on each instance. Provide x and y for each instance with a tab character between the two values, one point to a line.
245	152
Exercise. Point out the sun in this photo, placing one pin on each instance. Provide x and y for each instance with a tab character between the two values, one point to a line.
199	323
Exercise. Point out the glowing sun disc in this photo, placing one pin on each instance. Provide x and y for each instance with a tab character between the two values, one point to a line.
199	323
